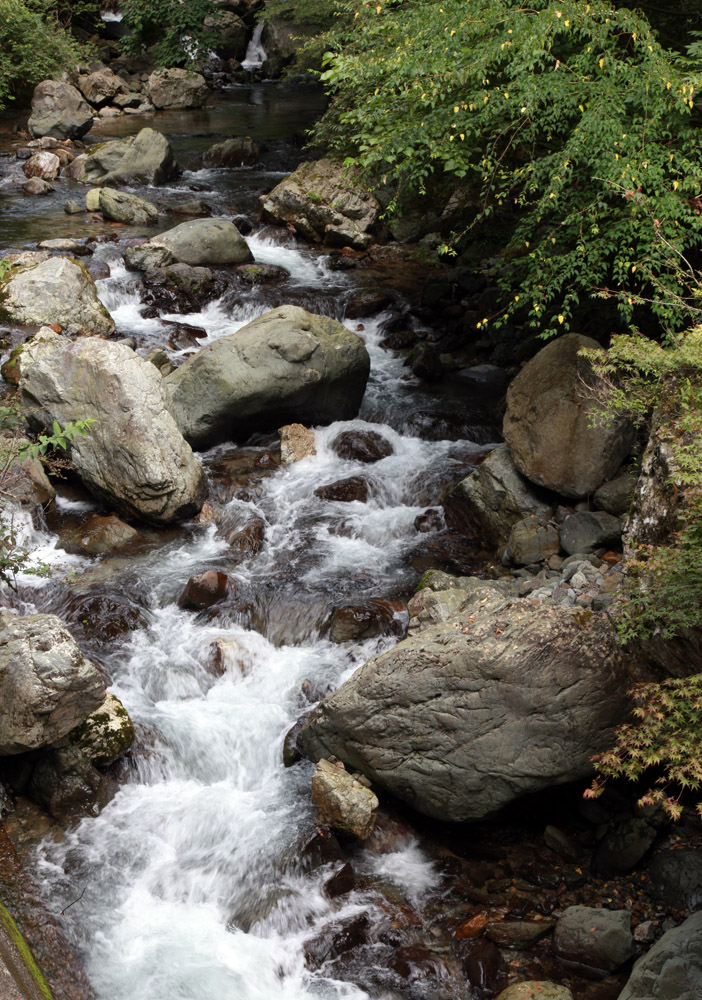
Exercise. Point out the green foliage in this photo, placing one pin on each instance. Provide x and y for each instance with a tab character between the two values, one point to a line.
14	450
176	30
660	387
313	14
666	737
569	118
34	45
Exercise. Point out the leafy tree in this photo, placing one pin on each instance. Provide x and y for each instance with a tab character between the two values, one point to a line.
34	45
177	31
569	119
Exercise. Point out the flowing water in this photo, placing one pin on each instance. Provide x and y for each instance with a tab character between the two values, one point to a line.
192	877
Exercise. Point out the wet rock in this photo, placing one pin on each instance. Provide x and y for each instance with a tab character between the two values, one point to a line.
207	589
356	488
179	288
440	597
336	939
261	274
425	363
518	934
586	531
72	247
368	302
45	165
487	503
98	269
247	541
47	686
161	361
356	622
414	964
198	242
550	427
66	784
672	969
236	152
471	713
176	88
59	110
341	883
35	185
25	482
286	365
536	990
361	446
118	206
321	848
341	801
472	928
676	878
102	86
561	843
531	541
99	535
296	442
192	206
429	520
99	619
484	968
621	848
146	158
58	290
133	455
615	496
106	734
326	203
597	938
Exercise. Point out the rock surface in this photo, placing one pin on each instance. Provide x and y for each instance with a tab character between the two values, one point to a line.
145	158
587	530
342	802
133	456
531	541
198	242
176	88
45	165
47	686
322	202
236	152
106	734
536	990
118	206
672	969
548	423
503	698
296	443
99	535
101	86
58	290
59	110
597	938
287	365
492	498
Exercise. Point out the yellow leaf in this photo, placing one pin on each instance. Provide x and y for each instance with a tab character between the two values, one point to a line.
463	136
378	9
456	110
601	62
675	185
561	318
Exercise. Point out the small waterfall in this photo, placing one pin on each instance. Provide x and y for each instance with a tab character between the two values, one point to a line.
255	53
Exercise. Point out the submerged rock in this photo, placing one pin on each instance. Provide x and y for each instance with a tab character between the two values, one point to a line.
99	535
133	455
59	110
326	203
286	365
342	802
551	423
503	698
206	589
47	686
236	152
57	290
67	786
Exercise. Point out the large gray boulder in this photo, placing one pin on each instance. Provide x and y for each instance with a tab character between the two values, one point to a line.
287	365
101	86
201	241
503	698
592	936
59	110
144	158
549	425
47	686
176	88
134	455
58	290
326	203
672	969
491	499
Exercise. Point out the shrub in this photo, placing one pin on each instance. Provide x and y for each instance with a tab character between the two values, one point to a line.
175	29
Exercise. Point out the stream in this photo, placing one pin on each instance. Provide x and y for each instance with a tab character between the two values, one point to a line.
192	880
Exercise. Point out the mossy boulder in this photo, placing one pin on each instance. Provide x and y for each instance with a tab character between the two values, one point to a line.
106	734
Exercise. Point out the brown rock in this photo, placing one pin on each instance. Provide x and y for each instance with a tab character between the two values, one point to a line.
361	446
346	490
518	934
99	535
45	165
296	443
340	883
206	589
342	802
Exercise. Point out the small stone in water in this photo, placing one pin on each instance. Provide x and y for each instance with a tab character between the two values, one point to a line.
346	490
361	446
340	883
206	589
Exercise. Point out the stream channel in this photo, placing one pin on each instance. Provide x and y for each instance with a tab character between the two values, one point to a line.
193	877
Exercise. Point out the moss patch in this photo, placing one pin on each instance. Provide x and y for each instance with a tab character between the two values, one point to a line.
28	959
